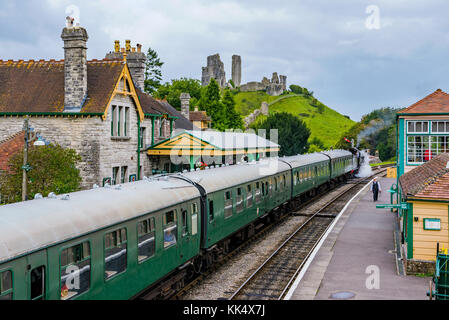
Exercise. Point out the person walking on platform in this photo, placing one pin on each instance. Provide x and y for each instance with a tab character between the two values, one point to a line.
375	188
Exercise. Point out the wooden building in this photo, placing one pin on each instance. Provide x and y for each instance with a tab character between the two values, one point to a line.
425	190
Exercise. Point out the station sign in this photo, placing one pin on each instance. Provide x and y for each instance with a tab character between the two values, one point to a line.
432	224
392	206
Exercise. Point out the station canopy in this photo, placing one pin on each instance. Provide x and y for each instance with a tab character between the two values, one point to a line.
213	143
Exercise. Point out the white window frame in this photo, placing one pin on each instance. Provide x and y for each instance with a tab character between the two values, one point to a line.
414	122
446	127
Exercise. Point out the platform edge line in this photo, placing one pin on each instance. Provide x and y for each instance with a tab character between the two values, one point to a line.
318	247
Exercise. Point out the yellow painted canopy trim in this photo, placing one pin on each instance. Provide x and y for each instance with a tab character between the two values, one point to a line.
186	144
126	76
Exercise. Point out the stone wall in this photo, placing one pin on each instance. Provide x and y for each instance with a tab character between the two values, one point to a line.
419	267
275	87
264	109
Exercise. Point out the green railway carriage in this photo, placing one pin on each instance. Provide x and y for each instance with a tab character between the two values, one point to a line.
239	195
308	171
341	162
115	240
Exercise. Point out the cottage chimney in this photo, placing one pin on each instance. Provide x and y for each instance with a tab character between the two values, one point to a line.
75	66
185	105
135	59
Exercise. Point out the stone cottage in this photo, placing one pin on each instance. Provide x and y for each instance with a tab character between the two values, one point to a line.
96	107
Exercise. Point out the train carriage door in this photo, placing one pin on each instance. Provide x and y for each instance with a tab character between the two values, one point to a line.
185	233
37	275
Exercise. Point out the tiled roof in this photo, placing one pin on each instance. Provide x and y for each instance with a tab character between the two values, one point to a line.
199	116
9	147
38	86
182	122
437	102
429	180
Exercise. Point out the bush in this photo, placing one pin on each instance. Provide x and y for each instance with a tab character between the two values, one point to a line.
53	170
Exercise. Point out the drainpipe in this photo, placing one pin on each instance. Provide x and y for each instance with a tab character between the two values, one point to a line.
138	148
152	131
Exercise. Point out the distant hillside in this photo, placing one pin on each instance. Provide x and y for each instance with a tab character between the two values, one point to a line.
327	126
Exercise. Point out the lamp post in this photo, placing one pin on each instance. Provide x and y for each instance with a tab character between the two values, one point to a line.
26	167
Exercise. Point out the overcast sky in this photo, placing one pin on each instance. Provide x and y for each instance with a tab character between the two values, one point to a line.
352	61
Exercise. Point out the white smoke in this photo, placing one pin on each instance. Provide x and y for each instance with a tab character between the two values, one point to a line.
375	126
365	169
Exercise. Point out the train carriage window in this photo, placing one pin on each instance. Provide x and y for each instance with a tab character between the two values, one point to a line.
170	228
275	184
239	200
284	180
194	212
75	270
211	211
268	187
257	195
115	255
185	229
228	204
249	196
146	232
37	283
6	285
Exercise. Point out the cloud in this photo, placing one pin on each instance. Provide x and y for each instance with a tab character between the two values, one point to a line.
319	44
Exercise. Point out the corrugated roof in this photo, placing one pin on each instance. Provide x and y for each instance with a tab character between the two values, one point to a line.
224	177
305	159
30	225
233	140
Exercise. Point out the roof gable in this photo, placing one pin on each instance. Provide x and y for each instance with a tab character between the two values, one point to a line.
437	102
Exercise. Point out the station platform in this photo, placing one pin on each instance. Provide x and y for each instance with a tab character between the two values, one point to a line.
361	246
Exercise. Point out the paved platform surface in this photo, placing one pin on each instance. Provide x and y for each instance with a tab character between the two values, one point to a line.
363	237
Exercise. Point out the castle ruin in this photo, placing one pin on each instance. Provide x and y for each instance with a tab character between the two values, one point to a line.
215	69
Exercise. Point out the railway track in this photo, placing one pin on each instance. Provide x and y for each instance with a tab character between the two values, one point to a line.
272	279
259	234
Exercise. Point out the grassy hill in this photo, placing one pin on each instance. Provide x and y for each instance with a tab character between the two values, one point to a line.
327	126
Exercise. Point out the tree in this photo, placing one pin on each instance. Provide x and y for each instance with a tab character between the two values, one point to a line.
293	133
53	170
316	145
172	91
153	74
230	117
210	102
296	89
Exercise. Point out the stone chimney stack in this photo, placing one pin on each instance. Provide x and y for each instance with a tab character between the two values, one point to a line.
135	59
185	105
75	66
